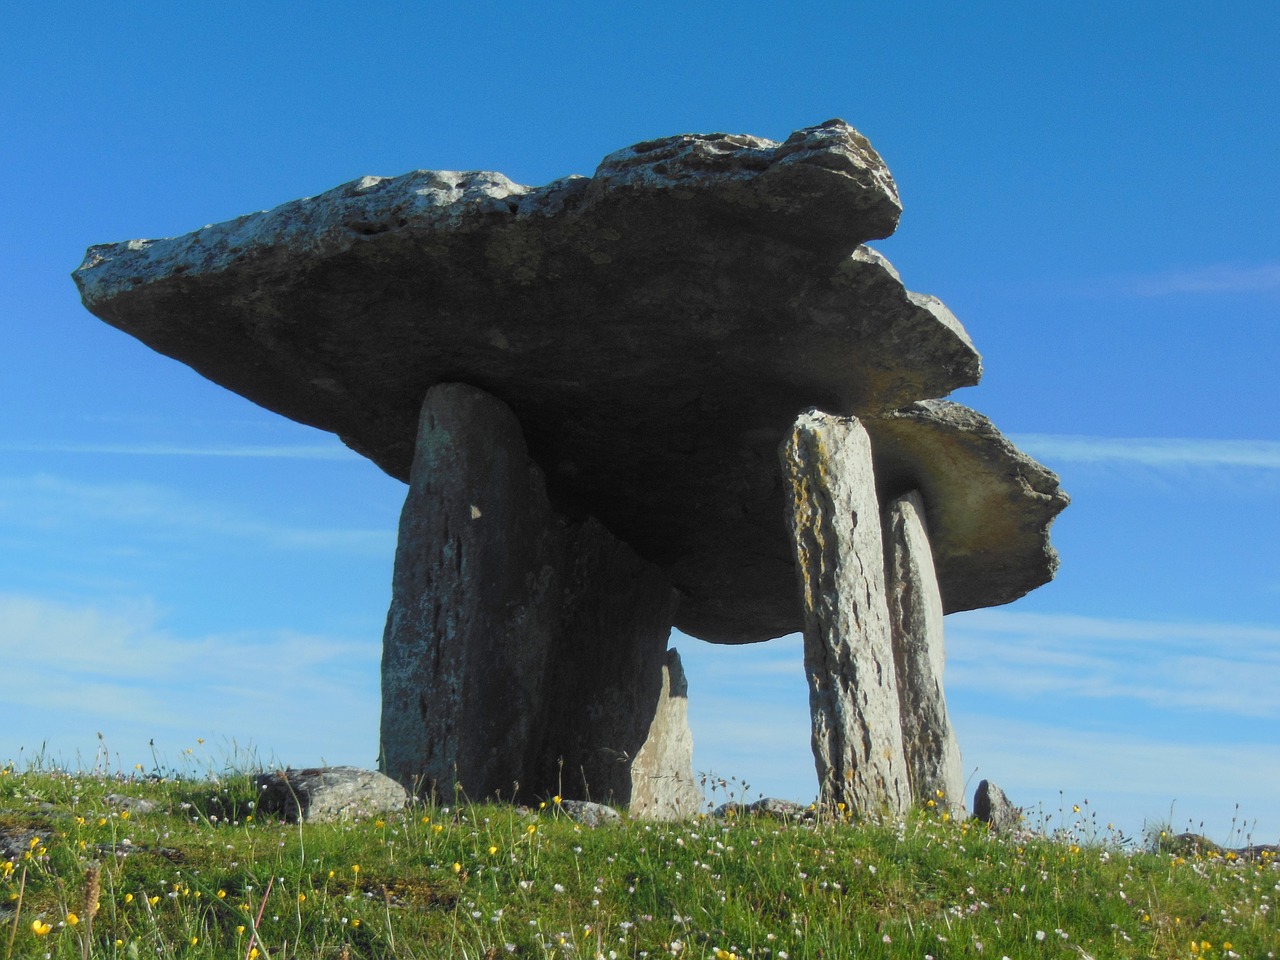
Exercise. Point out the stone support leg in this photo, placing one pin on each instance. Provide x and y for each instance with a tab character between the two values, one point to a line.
915	613
848	650
475	603
522	653
605	685
662	784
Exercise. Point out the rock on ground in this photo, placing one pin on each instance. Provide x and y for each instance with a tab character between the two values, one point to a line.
589	813
327	793
991	806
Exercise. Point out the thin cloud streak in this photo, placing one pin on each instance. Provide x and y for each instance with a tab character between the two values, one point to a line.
121	671
1227	669
1129	779
1214	278
180	450
50	503
1175	452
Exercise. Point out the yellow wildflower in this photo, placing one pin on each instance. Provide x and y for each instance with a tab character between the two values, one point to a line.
39	928
72	919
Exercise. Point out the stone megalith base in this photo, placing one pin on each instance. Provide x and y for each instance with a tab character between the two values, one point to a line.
915	616
523	654
662	784
848	648
605	682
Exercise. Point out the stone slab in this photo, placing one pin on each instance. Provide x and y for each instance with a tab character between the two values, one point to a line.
848	645
988	505
524	655
662	782
915	614
656	327
475	604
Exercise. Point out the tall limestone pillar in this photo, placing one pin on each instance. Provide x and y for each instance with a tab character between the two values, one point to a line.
520	649
475	602
848	648
915	613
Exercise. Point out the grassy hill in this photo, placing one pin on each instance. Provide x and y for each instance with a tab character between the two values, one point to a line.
86	871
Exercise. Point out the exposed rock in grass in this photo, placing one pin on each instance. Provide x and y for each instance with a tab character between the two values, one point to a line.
991	806
766	807
590	814
327	793
136	805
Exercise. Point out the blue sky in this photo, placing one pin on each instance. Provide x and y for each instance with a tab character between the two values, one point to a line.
1090	187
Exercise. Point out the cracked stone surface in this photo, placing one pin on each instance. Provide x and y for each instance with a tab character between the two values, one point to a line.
656	327
848	636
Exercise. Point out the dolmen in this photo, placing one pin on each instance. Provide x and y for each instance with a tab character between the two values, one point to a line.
682	391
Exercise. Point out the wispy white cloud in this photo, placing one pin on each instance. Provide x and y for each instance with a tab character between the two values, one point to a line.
1229	669
50	503
75	670
1169	452
285	452
1128	779
1211	278
748	708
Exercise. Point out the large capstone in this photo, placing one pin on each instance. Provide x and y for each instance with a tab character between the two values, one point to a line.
848	641
915	615
988	505
657	327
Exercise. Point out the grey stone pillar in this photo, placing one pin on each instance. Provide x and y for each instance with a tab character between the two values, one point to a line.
848	650
605	683
915	613
475	603
662	784
522	653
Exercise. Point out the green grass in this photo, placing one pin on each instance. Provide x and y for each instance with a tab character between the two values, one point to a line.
205	875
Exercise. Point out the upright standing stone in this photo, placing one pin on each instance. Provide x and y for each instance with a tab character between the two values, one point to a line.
662	781
915	614
605	683
848	651
522	652
475	602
